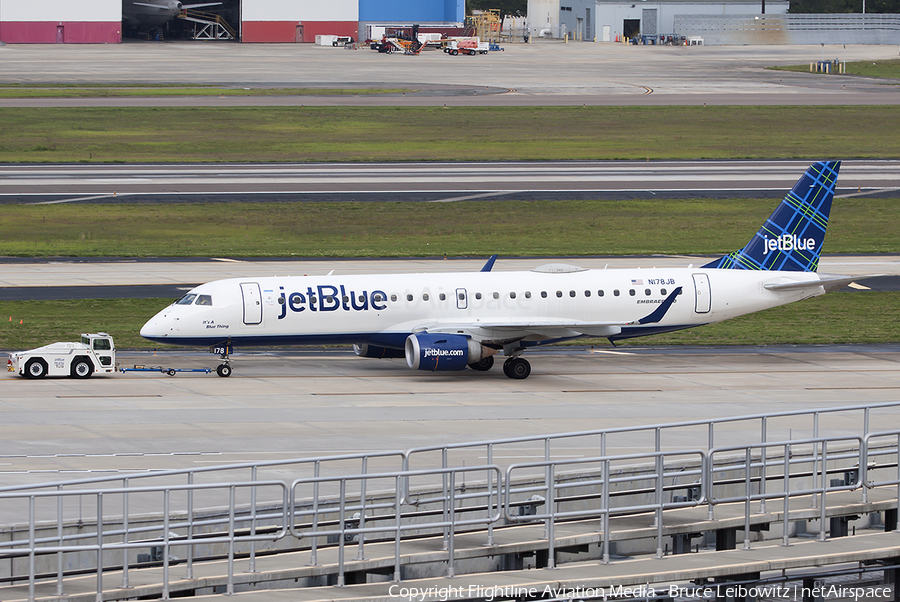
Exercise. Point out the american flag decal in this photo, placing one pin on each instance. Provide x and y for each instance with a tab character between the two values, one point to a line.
637	282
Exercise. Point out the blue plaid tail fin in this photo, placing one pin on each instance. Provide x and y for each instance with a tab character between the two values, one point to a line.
792	237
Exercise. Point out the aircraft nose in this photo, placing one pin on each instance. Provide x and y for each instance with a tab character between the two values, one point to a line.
154	328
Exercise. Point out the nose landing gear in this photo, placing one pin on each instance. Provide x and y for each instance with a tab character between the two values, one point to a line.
223	369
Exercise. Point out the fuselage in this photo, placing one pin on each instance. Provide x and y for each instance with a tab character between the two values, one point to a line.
143	15
385	309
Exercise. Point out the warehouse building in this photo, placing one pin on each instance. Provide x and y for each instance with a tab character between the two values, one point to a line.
609	20
100	21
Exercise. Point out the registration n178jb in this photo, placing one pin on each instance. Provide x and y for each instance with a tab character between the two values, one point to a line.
451	321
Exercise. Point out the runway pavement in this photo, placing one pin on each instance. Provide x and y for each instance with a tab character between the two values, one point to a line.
291	404
427	182
546	73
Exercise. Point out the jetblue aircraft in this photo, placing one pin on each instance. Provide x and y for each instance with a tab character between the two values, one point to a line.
450	321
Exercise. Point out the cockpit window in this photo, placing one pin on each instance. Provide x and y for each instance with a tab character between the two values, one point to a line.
204	300
187	299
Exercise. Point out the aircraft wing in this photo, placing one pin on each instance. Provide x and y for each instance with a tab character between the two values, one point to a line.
826	281
517	328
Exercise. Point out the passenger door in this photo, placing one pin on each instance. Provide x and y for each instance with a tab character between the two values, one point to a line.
252	303
703	294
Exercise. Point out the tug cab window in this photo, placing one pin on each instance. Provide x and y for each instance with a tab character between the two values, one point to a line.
102	345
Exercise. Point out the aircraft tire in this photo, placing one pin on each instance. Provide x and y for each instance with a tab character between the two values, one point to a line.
517	368
36	368
484	364
223	370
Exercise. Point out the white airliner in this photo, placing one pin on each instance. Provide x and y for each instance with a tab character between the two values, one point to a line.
146	15
450	321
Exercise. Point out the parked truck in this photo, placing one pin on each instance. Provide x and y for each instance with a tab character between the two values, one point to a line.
95	353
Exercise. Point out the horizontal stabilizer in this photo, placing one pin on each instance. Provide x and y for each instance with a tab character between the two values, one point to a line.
829	283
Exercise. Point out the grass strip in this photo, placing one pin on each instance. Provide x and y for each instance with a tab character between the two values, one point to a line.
837	318
884	69
398	229
290	134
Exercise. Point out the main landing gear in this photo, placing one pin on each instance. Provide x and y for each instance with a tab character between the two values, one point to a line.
517	368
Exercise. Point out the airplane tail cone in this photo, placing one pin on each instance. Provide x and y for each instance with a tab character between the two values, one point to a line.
792	237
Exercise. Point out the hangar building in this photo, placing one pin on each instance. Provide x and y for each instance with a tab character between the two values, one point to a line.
61	21
607	19
100	21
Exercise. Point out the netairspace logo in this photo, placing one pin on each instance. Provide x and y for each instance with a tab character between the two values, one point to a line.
788	243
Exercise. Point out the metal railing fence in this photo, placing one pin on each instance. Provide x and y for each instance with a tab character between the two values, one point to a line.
556	508
122	540
356	526
322	502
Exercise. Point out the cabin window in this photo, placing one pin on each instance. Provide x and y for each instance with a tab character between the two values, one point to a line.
443	297
462	296
631	292
477	296
393	298
329	299
186	300
496	295
662	292
409	297
377	297
587	293
512	295
362	298
647	292
345	299
616	292
571	293
559	293
600	293
528	294
425	297
204	300
312	299
543	294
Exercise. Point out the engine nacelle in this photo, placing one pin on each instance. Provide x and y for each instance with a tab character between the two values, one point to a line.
439	352
366	350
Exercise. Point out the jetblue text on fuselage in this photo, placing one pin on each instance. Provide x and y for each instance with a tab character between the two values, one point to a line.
788	242
326	297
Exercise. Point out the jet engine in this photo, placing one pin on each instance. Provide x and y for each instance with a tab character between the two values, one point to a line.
366	350
439	352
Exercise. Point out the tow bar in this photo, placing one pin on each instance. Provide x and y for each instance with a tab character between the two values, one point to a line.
167	371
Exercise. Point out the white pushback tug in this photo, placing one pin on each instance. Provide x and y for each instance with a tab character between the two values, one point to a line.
95	353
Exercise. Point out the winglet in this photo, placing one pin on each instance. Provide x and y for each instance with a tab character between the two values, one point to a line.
490	264
660	311
791	239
